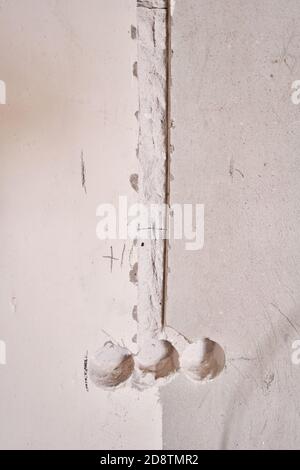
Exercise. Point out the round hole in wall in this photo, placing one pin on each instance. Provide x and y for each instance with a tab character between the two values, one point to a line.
157	359
203	360
110	366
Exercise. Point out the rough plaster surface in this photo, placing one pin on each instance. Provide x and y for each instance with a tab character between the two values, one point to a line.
68	124
236	149
151	17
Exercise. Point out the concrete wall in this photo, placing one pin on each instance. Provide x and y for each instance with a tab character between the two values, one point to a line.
236	150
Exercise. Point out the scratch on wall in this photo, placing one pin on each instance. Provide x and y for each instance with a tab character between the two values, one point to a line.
83	173
85	368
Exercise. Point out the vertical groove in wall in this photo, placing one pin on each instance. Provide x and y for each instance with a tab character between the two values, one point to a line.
153	155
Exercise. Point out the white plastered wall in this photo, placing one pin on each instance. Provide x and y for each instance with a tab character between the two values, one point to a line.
71	100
